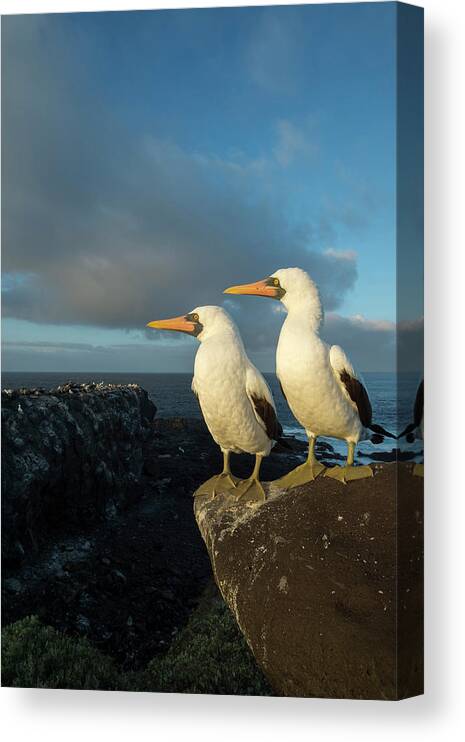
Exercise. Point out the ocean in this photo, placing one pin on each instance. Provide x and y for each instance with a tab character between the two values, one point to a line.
172	395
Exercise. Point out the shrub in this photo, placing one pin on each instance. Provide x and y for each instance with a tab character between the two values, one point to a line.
209	656
37	656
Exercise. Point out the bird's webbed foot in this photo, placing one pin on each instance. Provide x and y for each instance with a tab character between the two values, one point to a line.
302	474
224	482
347	473
250	490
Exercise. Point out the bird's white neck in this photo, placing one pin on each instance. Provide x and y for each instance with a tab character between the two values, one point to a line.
223	333
305	308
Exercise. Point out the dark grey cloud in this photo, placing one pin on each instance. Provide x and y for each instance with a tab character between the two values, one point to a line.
113	228
377	345
371	345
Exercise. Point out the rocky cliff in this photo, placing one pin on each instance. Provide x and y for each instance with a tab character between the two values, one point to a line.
100	543
325	582
70	455
122	566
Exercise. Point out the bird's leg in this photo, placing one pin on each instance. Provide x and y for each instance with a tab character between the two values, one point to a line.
226	479
220	482
251	489
349	472
311	458
304	473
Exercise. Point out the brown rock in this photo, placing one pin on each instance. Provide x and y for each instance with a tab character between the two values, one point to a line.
325	582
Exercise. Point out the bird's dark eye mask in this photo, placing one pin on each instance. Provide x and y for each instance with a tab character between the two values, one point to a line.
274	283
193	317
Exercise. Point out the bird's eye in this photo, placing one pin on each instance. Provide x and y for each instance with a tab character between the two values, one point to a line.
195	317
276	281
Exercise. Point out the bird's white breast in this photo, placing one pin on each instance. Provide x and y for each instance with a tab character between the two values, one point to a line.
310	386
219	379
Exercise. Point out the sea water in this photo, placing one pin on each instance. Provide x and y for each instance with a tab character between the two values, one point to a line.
392	398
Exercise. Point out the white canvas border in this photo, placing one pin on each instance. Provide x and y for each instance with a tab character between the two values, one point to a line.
58	715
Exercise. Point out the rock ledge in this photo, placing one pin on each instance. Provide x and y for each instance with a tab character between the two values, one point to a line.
323	579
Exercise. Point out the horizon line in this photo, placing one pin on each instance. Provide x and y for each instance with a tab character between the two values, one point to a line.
154	373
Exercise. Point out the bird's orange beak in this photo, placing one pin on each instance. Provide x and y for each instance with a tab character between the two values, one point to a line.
176	324
259	288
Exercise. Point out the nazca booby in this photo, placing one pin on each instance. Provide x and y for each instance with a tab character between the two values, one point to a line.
320	384
415	428
235	399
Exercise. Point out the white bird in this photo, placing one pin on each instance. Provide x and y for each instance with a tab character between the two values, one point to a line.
319	382
235	399
415	428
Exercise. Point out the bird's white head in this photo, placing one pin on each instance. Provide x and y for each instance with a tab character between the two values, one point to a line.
201	322
293	287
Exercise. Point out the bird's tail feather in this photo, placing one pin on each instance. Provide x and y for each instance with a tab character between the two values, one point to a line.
380	434
282	440
408	433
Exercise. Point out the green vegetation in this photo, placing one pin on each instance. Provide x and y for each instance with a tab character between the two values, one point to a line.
37	656
208	656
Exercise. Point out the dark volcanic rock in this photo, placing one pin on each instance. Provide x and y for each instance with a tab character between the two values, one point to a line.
128	586
127	582
69	456
185	454
313	580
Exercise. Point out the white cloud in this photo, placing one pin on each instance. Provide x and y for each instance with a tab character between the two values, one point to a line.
349	255
293	143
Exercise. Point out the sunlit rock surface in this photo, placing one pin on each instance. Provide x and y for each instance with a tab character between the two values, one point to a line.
74	453
325	582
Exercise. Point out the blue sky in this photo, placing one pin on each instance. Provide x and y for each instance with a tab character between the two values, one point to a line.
153	158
